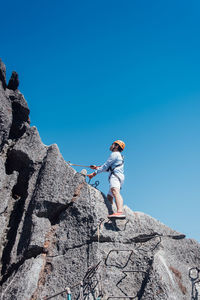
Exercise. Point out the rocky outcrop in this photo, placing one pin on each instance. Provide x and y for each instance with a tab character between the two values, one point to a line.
55	233
2	74
13	82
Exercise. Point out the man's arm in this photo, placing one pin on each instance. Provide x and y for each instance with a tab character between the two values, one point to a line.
107	164
104	167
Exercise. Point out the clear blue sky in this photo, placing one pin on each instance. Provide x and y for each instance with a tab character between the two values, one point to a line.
96	71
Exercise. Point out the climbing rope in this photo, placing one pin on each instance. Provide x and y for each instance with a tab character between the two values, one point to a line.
81	291
83	166
69	164
99	227
95	185
64	291
99	280
88	276
68	293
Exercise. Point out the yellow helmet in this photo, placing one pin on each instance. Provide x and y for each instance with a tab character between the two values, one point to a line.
120	143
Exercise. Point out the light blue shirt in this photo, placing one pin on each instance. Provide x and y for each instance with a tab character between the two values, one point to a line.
114	159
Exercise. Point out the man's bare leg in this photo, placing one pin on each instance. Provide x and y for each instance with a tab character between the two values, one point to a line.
118	199
110	198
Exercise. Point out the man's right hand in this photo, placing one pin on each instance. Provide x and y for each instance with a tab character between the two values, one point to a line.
94	167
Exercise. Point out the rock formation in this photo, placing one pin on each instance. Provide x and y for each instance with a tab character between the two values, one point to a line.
13	82
55	233
3	74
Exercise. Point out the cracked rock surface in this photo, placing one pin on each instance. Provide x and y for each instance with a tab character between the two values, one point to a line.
55	233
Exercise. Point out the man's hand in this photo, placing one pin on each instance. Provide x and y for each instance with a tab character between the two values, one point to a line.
91	175
94	167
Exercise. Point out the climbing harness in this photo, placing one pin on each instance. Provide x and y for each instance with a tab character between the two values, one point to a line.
112	170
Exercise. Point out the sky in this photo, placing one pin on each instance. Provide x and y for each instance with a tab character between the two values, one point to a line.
96	71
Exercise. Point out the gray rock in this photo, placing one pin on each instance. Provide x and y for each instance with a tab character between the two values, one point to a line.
13	82
5	117
20	114
2	74
55	233
23	284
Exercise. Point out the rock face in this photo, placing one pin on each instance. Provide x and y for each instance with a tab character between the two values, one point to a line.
2	74
55	234
14	81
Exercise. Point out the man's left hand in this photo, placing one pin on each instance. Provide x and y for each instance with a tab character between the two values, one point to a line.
91	175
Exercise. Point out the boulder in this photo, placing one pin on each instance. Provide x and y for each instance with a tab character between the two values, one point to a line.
55	232
13	82
2	74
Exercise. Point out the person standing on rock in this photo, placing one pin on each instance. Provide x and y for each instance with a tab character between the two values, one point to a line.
115	166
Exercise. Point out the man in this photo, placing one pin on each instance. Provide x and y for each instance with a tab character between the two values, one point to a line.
115	166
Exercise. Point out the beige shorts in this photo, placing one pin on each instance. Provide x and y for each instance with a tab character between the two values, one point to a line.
115	183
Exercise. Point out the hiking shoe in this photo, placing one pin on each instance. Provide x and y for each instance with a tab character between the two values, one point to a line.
118	215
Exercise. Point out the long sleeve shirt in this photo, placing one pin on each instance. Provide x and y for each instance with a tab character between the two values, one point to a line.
114	159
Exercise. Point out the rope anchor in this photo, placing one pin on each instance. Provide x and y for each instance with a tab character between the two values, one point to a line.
84	172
